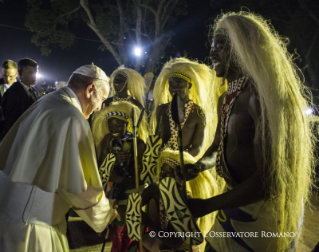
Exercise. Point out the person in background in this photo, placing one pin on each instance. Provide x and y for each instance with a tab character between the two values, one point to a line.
9	70
21	94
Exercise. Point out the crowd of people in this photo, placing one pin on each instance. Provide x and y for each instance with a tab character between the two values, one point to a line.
238	164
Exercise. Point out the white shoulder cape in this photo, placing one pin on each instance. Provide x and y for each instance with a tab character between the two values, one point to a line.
51	146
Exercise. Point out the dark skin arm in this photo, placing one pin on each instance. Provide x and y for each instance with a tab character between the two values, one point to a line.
248	191
193	130
198	137
209	158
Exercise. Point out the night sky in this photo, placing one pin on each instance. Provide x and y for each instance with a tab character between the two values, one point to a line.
190	36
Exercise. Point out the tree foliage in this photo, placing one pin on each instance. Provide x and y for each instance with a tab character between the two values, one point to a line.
118	24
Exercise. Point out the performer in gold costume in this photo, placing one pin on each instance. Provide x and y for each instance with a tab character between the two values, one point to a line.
264	146
192	81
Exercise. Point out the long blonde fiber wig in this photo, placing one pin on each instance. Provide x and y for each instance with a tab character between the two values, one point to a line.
135	83
202	92
100	126
285	131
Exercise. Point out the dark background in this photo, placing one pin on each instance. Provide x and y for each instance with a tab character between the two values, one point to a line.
289	18
189	40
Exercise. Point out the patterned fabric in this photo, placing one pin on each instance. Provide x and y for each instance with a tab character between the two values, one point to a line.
177	211
172	141
234	89
150	157
116	113
171	162
163	215
134	216
180	75
106	168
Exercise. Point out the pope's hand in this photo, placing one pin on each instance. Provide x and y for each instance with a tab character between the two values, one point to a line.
115	214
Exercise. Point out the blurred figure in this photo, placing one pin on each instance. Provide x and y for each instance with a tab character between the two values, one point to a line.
21	94
9	74
9	71
48	164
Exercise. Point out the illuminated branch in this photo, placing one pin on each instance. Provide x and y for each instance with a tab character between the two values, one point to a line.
68	14
92	25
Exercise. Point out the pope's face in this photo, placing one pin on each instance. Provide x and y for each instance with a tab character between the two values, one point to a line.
96	99
9	75
117	127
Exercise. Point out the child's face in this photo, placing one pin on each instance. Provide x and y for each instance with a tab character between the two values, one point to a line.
117	127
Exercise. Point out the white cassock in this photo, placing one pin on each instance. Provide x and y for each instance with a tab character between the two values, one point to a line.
47	165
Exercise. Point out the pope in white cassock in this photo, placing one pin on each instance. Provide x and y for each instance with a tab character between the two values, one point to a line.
48	165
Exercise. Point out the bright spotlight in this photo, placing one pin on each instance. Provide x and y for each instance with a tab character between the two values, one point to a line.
308	111
39	75
137	51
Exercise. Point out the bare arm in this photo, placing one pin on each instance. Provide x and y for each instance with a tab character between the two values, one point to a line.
198	137
209	158
249	191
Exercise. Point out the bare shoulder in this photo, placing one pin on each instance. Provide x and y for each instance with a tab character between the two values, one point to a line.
198	111
197	108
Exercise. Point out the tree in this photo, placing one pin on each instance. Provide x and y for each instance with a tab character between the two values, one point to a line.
119	24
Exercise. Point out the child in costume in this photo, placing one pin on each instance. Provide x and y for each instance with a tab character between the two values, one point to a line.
112	132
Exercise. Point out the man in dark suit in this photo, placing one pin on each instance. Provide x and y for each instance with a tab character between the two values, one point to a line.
21	94
9	71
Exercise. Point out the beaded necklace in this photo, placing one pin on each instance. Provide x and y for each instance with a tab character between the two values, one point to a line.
234	89
172	141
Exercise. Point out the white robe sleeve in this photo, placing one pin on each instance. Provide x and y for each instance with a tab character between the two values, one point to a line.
91	205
